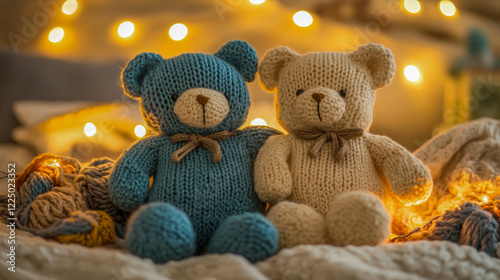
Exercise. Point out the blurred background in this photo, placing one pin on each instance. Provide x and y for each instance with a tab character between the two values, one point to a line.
61	61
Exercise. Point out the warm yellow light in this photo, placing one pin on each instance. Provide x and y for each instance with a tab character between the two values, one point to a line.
447	8
56	34
302	18
484	198
178	31
53	163
90	129
257	2
258	121
412	6
126	29
140	130
412	73
69	7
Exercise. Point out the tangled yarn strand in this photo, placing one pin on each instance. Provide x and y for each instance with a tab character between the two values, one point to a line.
59	200
470	224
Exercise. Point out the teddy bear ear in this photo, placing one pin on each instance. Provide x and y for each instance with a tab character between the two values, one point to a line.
135	71
379	61
241	56
273	62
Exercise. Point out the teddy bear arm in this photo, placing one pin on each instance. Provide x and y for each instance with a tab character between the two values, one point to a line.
254	138
273	179
129	181
408	177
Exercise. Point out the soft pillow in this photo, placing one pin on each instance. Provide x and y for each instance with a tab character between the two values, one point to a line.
64	134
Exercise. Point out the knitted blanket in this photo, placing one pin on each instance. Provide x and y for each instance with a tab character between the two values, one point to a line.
464	155
40	259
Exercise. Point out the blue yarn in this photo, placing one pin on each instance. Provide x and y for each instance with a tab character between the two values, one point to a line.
120	230
63	227
39	183
480	230
207	192
466	225
249	235
161	232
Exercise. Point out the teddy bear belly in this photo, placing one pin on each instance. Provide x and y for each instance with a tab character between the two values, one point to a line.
208	193
318	181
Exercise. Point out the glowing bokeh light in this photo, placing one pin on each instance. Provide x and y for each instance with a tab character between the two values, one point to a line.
178	31
447	8
69	7
412	73
302	18
56	34
140	130
90	129
412	6
126	29
257	2
258	121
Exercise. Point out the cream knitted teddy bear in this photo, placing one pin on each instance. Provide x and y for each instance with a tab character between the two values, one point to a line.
325	179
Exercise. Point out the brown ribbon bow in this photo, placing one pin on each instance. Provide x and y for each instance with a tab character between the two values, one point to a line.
338	138
210	142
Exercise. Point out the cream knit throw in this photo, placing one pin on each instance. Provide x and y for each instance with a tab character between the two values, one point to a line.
464	162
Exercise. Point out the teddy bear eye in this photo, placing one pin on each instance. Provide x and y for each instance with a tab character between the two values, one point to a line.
174	97
300	91
343	93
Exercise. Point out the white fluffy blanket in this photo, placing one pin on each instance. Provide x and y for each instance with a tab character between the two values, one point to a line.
39	259
446	155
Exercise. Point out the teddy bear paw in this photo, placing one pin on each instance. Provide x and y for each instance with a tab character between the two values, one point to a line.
297	224
249	235
357	218
161	232
414	193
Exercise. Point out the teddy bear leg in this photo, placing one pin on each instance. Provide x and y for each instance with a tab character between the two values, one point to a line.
357	218
161	232
297	224
249	235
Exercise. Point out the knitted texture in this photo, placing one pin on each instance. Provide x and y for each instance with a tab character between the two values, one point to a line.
200	162
60	200
89	228
360	213
464	204
249	234
158	83
410	260
464	165
169	234
471	148
468	224
333	93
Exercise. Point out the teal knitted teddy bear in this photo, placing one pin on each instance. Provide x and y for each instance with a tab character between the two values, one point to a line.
201	198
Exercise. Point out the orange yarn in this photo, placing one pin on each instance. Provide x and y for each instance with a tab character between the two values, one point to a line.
101	233
49	164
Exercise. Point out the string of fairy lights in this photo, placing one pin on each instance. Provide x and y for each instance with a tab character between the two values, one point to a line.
446	7
179	31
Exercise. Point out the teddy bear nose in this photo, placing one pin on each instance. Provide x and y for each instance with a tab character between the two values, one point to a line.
317	96
202	99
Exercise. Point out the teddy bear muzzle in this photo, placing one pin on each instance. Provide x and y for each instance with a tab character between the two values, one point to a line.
319	107
201	107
